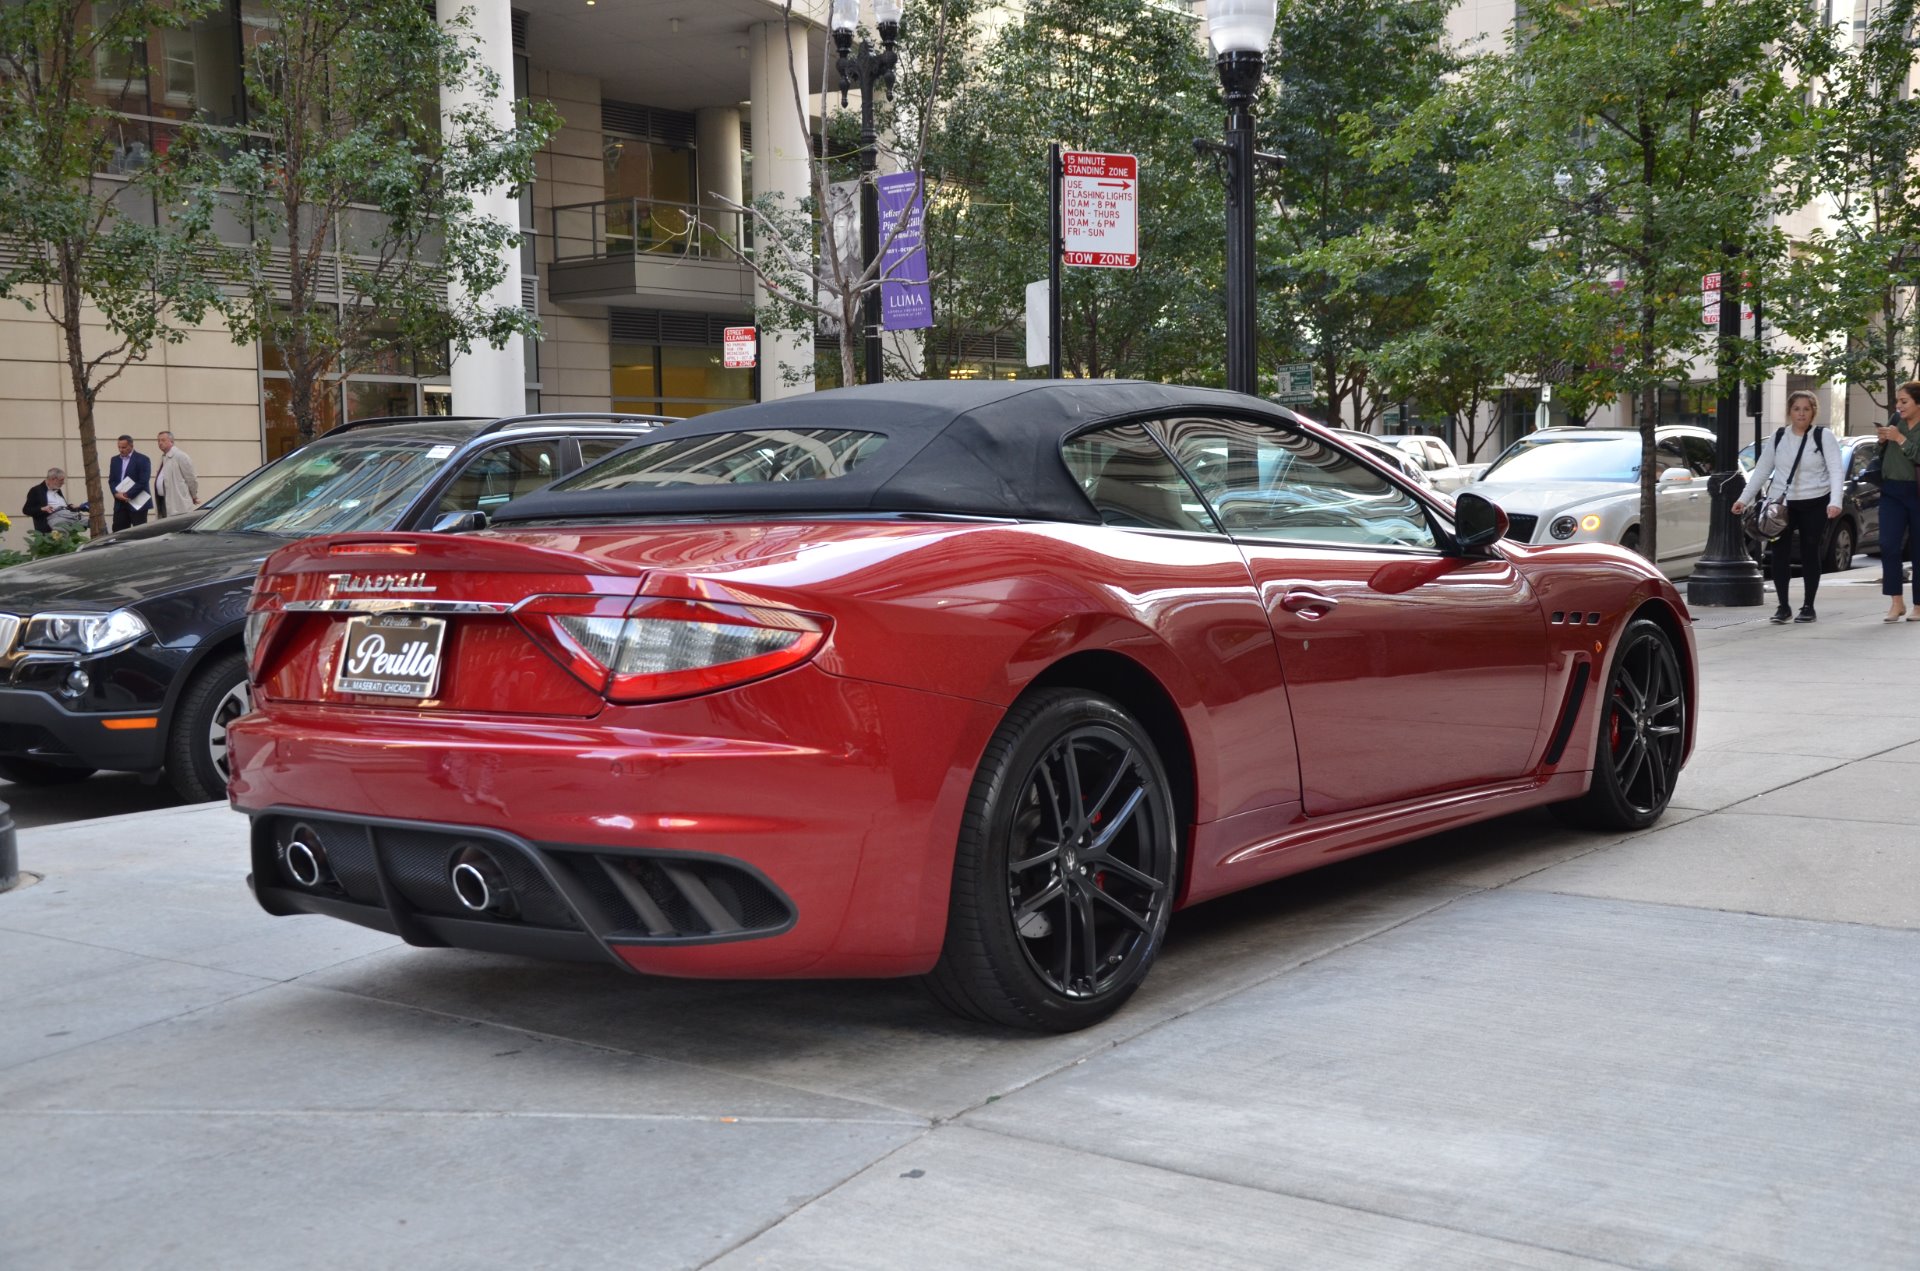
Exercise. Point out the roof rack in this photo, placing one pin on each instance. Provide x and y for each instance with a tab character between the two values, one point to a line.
383	420
603	416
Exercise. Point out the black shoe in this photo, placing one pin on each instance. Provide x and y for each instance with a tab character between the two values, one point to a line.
1783	614
1806	614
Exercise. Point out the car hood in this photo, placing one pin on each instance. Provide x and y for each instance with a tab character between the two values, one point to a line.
1537	498
128	572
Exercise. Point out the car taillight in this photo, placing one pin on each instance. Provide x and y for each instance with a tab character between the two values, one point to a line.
660	648
263	611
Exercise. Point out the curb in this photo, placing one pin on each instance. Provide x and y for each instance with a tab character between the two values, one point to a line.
9	850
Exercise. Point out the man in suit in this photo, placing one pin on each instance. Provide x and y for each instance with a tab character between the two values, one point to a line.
176	487
137	471
47	504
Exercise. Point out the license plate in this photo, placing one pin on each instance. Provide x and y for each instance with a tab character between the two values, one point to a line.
391	655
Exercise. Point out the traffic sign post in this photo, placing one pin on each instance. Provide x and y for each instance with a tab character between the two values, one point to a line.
740	348
1296	384
1100	203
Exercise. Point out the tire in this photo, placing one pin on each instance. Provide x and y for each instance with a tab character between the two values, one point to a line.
1058	937
1840	548
33	772
1631	539
1642	734
197	749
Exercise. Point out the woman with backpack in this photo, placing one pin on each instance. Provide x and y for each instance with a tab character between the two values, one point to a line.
1801	464
1900	499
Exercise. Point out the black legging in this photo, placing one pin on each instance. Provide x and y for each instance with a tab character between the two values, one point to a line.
1808	519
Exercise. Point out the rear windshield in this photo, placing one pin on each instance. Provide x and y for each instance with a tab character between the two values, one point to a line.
330	490
747	457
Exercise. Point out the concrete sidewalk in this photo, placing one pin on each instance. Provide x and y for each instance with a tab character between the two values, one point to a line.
1510	1046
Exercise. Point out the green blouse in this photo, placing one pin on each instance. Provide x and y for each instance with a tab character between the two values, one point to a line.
1900	463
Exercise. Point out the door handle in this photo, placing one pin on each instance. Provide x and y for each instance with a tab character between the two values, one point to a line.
1307	602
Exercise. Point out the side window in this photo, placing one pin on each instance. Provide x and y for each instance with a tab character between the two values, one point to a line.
594	449
1131	482
1667	454
1863	455
1699	452
502	473
1275	484
1436	456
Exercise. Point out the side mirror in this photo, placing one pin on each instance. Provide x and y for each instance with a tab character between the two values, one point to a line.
1478	523
1673	476
460	522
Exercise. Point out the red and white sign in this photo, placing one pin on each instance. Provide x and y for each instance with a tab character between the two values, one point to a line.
742	346
1099	210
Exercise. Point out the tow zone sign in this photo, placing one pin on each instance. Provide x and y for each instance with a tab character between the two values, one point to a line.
1099	210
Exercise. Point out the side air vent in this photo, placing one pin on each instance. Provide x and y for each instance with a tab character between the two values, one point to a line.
1569	709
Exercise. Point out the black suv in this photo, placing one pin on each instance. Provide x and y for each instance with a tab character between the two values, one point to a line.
127	655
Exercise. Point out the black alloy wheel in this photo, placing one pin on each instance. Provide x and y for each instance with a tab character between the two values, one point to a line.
1841	547
1643	731
1066	871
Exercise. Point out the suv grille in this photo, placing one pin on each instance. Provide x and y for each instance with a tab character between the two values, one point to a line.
1520	528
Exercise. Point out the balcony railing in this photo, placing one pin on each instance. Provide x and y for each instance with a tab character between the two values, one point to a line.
615	228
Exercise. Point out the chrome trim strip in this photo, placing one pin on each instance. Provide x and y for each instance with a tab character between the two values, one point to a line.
374	605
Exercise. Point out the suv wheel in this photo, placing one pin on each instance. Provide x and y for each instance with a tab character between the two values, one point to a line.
197	750
1840	550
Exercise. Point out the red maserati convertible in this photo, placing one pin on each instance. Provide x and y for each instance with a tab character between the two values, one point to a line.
971	681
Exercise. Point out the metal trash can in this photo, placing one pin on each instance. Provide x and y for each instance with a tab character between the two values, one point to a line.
9	850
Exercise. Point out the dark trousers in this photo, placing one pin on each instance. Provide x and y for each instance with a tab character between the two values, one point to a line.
124	515
1807	521
1899	524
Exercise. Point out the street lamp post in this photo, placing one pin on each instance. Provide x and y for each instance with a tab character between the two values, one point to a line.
1727	575
1240	31
867	68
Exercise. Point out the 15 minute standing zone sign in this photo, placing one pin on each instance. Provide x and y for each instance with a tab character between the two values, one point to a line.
1099	210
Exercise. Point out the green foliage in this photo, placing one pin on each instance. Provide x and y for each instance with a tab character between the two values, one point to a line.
40	546
1624	150
73	239
1116	75
345	96
1850	282
1341	273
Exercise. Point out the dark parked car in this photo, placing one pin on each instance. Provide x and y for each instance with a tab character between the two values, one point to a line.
127	655
1857	528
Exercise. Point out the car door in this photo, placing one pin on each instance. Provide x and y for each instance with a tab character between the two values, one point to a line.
1409	671
1681	499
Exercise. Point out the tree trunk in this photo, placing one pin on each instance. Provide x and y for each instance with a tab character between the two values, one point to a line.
73	335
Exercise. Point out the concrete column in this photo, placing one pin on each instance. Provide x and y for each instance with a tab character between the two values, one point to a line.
486	380
781	168
716	139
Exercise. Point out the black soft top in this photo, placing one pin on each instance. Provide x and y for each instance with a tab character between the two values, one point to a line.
982	448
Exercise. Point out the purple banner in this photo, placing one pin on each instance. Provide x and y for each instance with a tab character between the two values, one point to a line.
906	302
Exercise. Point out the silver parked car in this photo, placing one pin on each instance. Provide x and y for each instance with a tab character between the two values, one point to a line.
1582	485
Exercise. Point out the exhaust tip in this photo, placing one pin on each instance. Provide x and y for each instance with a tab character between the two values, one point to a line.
306	859
480	886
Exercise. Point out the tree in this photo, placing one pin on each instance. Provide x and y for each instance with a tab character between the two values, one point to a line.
1852	284
1634	146
1341	75
74	238
1114	75
345	107
807	254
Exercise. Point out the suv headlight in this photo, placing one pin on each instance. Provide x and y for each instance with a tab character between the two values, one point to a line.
84	632
1563	527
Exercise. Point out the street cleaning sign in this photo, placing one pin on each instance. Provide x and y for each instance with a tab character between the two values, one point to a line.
1099	210
740	347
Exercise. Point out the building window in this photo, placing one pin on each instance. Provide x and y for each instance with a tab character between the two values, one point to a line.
676	379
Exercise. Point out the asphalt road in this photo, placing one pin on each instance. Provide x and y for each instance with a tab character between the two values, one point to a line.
1509	1046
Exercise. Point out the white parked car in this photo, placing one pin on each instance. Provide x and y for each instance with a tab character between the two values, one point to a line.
1435	458
1582	485
1393	456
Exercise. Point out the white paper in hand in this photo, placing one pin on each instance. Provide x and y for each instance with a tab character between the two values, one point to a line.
126	484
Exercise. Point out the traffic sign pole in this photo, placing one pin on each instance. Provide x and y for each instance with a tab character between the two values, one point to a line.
1056	237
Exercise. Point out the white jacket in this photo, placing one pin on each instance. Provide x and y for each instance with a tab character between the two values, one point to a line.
175	481
1819	471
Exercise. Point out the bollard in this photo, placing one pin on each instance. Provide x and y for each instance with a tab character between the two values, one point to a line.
9	850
